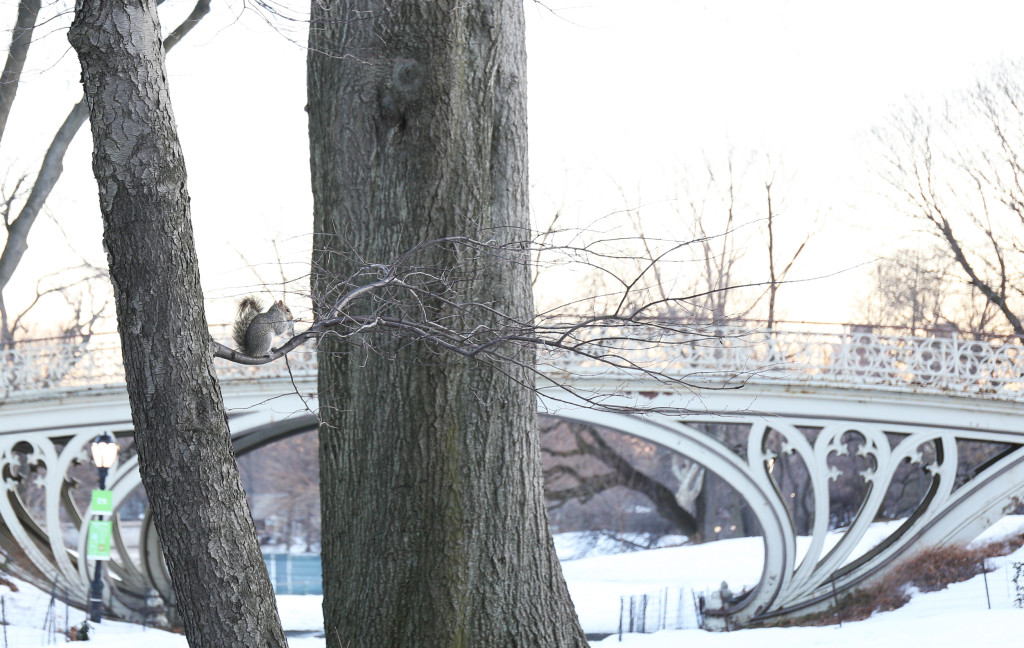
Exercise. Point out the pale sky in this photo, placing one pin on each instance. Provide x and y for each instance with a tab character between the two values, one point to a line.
626	97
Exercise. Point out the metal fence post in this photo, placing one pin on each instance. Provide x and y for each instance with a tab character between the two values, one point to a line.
622	611
988	598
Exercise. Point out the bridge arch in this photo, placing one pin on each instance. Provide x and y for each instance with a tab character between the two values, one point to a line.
894	407
677	436
51	565
892	429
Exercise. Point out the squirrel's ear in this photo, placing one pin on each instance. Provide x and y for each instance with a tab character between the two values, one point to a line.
280	302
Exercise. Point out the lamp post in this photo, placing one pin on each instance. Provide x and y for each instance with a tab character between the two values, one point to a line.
104	453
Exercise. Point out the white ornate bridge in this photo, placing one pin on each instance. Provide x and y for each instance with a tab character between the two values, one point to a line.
803	395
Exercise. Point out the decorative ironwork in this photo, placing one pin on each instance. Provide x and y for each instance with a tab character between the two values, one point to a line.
733	356
50	561
993	366
800	580
924	417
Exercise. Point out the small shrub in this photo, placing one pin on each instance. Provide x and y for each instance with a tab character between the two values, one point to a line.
928	570
79	633
934	568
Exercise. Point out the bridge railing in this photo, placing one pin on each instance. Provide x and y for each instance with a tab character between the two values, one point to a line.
72	364
68	364
722	355
727	355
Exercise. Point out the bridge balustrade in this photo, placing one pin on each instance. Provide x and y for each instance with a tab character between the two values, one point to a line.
728	355
732	356
901	396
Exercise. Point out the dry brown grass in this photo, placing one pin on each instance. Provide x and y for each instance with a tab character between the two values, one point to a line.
928	570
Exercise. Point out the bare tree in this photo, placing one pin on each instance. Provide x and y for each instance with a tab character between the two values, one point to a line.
920	291
282	480
907	290
776	276
186	461
581	463
19	222
959	171
719	221
720	250
21	39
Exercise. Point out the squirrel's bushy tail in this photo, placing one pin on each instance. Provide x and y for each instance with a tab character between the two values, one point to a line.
248	308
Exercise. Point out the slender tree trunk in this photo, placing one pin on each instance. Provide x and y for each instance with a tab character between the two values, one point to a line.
188	468
52	167
21	39
773	286
434	527
49	172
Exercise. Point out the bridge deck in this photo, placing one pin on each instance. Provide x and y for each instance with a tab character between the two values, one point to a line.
908	400
991	368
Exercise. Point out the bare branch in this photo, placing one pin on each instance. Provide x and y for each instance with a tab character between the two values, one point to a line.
53	166
618	471
416	298
49	172
21	39
198	12
966	187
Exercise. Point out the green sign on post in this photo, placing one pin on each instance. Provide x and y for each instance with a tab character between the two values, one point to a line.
102	502
98	544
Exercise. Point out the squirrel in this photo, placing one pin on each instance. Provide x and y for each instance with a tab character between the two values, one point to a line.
254	329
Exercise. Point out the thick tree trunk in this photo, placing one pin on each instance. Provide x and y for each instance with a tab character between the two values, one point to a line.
188	468
434	526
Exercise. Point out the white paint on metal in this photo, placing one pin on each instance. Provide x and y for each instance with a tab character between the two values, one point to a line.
928	390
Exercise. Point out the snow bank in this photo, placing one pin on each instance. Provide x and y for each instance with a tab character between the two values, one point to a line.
951	618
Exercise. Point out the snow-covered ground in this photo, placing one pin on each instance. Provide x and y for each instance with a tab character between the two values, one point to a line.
891	630
597	581
953	617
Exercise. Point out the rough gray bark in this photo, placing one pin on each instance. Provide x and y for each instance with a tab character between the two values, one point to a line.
188	468
434	527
